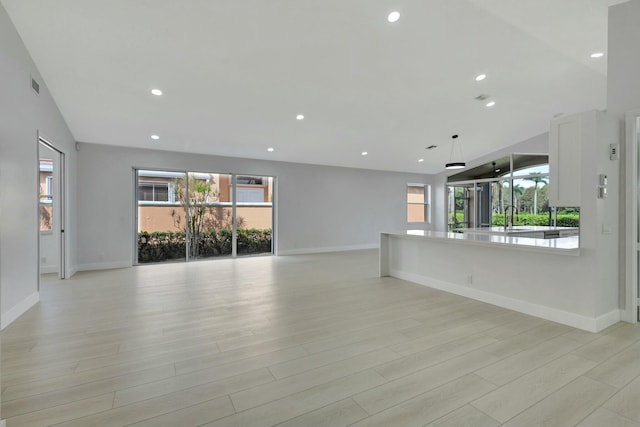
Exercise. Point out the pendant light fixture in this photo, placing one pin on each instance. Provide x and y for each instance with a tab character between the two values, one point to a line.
452	164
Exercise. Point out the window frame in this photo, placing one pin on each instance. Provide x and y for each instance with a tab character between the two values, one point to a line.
171	193
426	203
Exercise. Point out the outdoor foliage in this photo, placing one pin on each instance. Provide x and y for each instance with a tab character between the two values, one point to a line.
204	217
161	246
46	214
564	219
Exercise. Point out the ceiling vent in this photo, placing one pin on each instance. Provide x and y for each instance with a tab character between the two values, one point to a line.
482	97
35	86
431	147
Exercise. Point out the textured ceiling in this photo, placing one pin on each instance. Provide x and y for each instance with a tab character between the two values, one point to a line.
235	73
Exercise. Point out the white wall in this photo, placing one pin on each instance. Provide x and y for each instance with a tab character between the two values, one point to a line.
623	81
623	94
319	207
24	114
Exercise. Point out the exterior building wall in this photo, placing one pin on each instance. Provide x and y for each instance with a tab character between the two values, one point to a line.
43	181
224	187
159	218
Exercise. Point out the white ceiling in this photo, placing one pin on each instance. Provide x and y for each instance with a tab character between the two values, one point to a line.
236	72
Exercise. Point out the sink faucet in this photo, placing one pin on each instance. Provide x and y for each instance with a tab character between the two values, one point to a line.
508	220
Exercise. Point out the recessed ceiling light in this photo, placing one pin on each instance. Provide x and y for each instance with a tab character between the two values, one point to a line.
156	137
270	149
156	92
364	153
393	16
481	77
299	117
491	104
420	160
597	55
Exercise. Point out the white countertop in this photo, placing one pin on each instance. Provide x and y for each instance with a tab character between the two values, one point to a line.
517	229
565	245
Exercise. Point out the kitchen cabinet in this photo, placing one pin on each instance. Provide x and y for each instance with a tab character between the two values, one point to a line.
578	147
565	159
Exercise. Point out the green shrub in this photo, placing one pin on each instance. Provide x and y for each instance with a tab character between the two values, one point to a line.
569	220
254	241
564	220
162	246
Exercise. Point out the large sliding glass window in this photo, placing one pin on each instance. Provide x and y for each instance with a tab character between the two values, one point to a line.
161	216
512	189
254	214
461	201
194	215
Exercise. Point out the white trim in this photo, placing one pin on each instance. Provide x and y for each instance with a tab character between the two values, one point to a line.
102	266
548	313
426	205
629	313
71	270
608	319
3	423
47	269
19	309
325	249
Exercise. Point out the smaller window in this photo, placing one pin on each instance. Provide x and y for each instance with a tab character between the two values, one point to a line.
155	191
418	200
249	180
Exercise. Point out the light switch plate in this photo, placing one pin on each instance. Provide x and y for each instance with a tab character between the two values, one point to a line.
614	152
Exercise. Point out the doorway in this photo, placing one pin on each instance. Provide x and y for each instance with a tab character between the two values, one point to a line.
51	207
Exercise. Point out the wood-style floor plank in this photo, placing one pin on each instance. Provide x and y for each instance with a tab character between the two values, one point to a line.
301	340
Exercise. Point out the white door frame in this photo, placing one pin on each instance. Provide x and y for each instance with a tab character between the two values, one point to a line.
60	211
632	244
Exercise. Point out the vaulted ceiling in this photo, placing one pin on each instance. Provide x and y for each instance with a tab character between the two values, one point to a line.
236	73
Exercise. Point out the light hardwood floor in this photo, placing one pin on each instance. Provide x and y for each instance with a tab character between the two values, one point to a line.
316	340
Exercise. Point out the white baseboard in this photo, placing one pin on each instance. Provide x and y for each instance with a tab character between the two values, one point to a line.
19	309
102	266
305	251
70	272
46	269
629	316
608	319
590	324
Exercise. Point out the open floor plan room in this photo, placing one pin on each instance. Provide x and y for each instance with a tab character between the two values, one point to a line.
299	341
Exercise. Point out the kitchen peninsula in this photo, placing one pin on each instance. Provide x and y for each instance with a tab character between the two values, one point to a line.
547	278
